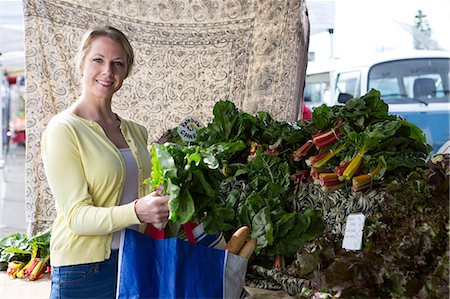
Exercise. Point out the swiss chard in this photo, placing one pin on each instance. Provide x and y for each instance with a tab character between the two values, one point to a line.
191	177
229	124
20	247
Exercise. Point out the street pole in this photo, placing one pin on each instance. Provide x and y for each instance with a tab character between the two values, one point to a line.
4	97
331	32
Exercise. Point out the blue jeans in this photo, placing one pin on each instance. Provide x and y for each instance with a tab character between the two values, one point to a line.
94	280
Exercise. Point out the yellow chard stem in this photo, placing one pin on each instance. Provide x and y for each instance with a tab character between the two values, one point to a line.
362	180
354	164
365	179
328	156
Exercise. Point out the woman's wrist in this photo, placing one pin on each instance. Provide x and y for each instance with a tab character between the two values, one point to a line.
136	208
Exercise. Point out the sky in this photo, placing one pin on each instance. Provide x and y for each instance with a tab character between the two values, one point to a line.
11	35
362	26
11	24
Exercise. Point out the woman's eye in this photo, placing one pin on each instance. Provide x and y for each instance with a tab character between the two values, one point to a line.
97	60
118	63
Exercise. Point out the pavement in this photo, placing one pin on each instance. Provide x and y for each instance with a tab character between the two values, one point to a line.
23	288
12	219
12	191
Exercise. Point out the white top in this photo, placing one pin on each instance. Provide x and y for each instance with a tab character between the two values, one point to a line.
130	189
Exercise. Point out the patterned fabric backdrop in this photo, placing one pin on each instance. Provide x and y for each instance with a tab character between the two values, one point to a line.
189	54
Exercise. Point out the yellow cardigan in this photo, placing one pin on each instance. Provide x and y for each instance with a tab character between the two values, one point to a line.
86	173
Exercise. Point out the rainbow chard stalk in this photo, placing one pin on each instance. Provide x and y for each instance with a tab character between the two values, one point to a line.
316	171
324	157
279	262
300	176
14	267
253	149
355	164
330	181
40	267
340	169
302	151
275	148
364	182
326	138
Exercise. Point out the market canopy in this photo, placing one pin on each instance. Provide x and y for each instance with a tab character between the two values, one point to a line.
12	60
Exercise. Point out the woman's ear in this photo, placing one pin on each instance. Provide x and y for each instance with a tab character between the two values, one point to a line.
81	67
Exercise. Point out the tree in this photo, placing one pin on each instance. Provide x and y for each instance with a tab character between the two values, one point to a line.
422	34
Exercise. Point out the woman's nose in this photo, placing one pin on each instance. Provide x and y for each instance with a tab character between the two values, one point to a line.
108	68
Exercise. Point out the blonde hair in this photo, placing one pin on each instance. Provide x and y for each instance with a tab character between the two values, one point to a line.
110	32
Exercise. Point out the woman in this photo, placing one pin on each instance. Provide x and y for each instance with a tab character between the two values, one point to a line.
95	162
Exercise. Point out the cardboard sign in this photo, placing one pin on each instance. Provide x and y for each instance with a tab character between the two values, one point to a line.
353	232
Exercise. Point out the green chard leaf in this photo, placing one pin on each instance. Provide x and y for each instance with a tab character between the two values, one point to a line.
262	229
308	225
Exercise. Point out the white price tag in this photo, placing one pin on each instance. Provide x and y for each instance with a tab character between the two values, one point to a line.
188	128
353	232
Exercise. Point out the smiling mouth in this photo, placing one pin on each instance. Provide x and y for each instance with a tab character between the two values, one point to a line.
105	83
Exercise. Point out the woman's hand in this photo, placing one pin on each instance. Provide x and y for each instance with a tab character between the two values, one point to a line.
153	208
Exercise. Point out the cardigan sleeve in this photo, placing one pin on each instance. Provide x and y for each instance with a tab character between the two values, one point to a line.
67	180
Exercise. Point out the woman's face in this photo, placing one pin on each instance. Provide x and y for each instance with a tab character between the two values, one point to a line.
104	68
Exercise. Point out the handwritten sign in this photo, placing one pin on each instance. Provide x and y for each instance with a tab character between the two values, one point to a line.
353	232
188	128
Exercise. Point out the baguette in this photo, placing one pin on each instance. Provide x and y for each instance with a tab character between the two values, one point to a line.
248	248
238	239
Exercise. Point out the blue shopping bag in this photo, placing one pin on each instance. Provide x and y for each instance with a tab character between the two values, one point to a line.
175	268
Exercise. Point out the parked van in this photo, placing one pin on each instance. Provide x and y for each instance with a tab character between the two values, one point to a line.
414	84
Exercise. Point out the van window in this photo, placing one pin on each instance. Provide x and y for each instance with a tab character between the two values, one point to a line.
317	89
389	86
411	80
349	83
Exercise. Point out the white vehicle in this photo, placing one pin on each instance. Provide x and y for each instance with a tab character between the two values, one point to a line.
414	84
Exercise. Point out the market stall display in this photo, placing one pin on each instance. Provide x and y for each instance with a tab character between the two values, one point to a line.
295	184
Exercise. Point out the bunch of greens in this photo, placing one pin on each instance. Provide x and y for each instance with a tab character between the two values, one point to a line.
356	114
20	247
259	150
193	174
276	228
400	144
371	137
14	247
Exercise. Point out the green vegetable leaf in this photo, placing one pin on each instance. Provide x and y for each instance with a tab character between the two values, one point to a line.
262	229
285	224
308	225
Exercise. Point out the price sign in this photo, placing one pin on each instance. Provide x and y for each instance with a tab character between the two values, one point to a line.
188	128
353	232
